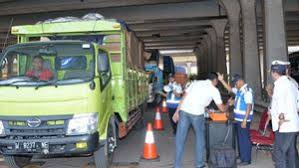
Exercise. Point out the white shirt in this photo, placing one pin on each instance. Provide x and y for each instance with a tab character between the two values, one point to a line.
284	100
293	81
199	96
297	86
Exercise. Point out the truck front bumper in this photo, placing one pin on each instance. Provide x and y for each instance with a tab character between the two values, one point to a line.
71	145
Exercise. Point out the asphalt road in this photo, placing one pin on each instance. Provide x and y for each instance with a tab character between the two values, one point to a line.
128	153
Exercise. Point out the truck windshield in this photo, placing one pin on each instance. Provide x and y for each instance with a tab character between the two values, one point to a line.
46	63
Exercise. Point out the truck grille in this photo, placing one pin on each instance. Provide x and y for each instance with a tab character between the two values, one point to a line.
46	126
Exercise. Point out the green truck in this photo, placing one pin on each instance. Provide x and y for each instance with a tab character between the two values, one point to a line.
69	89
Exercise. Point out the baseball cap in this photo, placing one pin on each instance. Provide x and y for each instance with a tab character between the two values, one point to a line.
279	68
279	62
236	78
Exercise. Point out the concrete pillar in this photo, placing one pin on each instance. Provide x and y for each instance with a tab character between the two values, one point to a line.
275	35
208	42
202	59
204	55
233	12
198	59
252	73
219	26
213	38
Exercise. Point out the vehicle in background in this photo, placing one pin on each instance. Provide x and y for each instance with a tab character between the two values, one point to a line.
155	83
96	96
168	67
294	60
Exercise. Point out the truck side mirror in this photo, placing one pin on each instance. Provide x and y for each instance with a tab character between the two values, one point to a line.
3	63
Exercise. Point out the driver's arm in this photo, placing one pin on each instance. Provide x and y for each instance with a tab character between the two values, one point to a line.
29	73
46	75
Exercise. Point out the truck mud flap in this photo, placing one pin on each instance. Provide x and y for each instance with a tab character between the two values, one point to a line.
124	128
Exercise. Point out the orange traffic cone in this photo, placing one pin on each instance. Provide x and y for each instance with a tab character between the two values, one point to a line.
164	107
149	148
158	123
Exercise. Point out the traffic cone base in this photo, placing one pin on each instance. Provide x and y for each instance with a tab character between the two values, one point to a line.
150	153
149	148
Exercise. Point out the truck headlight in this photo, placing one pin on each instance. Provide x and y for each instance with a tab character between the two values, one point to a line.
2	130
83	124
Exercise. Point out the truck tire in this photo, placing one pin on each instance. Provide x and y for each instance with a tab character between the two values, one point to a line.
100	158
103	157
17	161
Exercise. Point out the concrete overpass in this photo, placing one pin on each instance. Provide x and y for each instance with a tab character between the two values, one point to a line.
248	34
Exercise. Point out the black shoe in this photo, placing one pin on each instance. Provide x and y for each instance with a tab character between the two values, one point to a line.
244	164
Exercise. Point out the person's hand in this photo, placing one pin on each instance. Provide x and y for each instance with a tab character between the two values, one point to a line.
281	119
281	116
176	117
231	101
280	122
220	76
243	124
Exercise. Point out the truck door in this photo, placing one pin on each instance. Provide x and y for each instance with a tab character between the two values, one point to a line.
105	86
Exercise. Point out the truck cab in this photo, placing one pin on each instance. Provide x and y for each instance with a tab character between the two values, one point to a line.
64	114
70	89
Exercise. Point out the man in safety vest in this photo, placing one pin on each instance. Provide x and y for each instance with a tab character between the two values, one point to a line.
243	115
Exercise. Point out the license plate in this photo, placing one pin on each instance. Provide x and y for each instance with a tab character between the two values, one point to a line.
29	146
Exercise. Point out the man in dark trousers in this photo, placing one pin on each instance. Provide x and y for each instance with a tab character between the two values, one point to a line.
243	115
173	97
285	119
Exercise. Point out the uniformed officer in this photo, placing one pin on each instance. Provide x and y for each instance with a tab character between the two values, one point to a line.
285	119
287	64
173	97
243	115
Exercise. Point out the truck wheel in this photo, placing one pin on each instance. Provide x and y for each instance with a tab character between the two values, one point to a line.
100	158
111	142
17	161
103	157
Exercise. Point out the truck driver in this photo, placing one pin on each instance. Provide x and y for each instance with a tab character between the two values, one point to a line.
39	72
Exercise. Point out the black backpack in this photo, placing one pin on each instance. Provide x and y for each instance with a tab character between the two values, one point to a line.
222	155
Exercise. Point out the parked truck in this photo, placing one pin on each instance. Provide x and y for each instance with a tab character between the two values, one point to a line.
96	96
